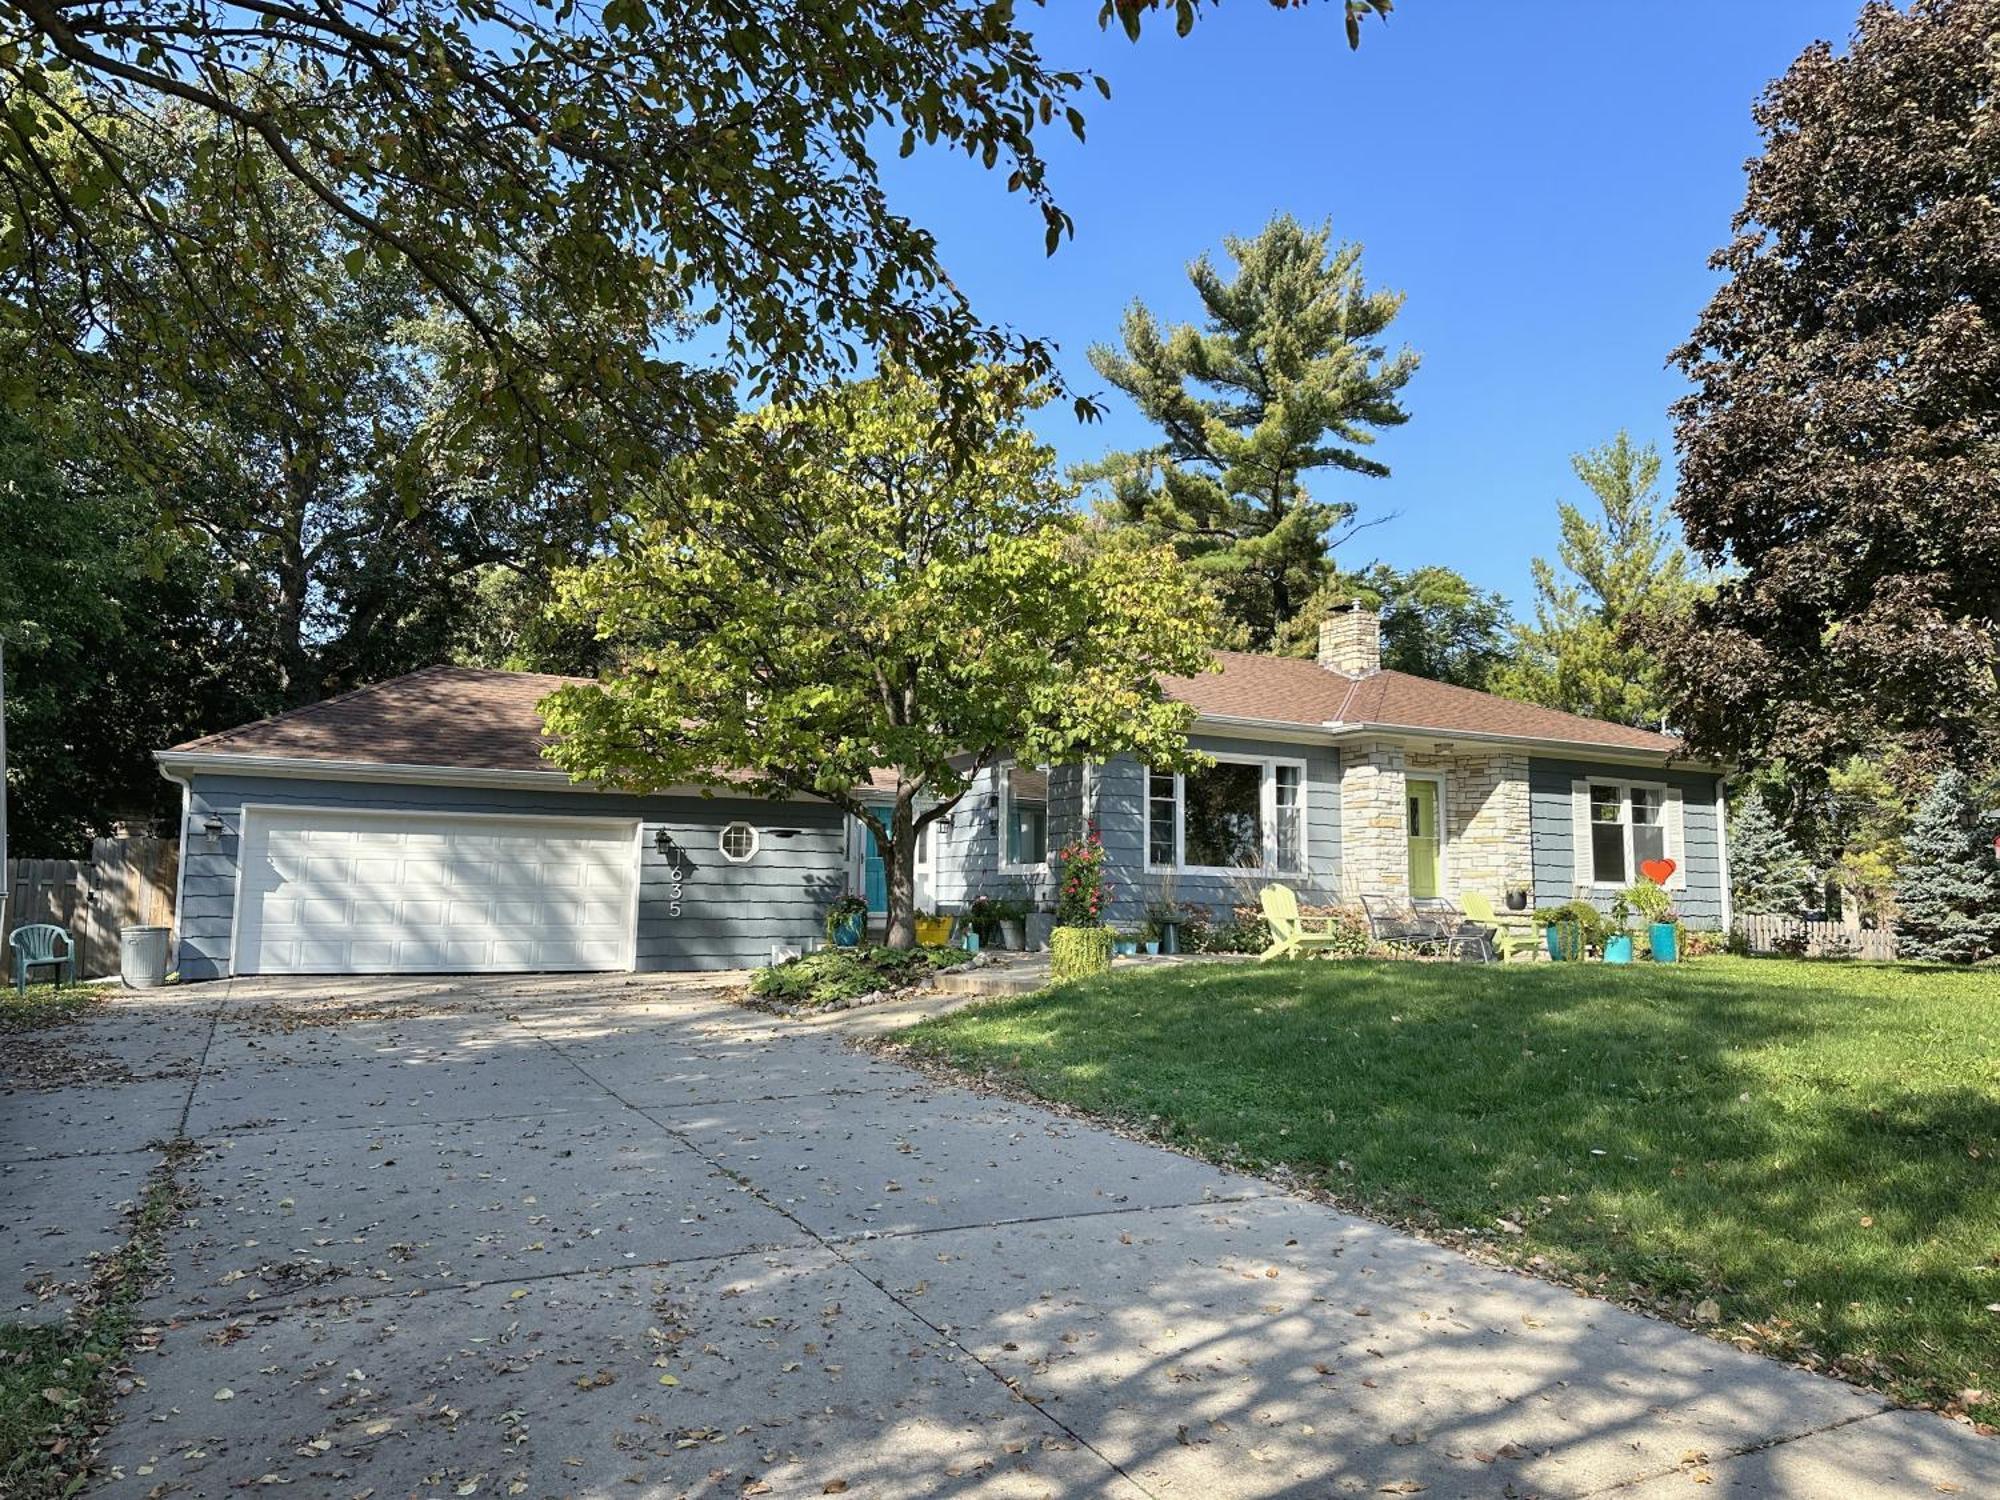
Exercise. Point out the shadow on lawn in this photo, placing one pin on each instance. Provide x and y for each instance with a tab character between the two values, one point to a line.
1662	1136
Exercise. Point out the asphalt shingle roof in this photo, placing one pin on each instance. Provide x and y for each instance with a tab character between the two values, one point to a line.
476	718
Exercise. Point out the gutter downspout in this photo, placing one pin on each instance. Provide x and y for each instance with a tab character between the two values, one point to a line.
175	935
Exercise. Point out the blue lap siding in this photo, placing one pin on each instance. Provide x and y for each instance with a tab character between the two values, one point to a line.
731	915
1549	788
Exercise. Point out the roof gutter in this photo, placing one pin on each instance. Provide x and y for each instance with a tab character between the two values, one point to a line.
177	764
1580	749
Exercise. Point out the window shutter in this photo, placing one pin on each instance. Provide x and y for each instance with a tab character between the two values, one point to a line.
1579	832
1676	840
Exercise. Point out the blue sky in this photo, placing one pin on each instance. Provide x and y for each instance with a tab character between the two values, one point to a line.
1544	181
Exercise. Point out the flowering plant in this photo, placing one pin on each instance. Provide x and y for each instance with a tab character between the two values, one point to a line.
1082	892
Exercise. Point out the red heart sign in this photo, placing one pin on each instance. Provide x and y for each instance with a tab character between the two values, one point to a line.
1659	871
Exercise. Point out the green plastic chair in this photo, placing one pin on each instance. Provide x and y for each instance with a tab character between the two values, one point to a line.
35	947
1479	909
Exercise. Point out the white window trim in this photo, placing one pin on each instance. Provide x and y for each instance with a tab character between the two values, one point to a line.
1267	809
1668	792
722	845
1006	807
1437	778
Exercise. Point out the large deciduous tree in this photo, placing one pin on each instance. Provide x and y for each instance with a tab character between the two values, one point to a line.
1615	572
1841	448
1287	375
850	586
660	167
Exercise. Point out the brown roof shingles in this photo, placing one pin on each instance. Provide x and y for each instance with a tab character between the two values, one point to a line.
463	717
475	718
1293	690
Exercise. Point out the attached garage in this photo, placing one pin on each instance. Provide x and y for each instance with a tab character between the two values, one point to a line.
329	891
416	827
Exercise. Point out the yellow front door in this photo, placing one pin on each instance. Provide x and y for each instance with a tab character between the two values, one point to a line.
1423	802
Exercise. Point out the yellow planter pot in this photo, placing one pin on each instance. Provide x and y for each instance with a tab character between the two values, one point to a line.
933	932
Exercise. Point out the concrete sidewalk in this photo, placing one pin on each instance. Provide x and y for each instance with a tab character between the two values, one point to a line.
615	1236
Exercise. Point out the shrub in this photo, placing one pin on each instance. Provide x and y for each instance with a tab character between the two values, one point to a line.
1081	893
1079	952
833	975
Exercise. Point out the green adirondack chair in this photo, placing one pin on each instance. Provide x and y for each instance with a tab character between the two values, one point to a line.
1479	908
35	948
1291	937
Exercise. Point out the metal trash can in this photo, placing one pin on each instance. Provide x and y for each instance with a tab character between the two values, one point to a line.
142	957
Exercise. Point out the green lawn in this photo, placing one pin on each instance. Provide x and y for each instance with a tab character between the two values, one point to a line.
1813	1146
42	1004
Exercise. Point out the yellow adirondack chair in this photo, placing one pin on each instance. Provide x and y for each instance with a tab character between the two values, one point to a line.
1290	936
1478	907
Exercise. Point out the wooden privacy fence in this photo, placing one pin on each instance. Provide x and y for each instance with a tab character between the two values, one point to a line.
1820	939
124	883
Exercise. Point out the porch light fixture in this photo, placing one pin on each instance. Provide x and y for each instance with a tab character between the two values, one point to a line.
211	831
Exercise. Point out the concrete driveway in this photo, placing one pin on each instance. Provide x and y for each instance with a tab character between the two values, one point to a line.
614	1236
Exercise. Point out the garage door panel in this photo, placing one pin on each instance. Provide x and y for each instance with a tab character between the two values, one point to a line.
327	891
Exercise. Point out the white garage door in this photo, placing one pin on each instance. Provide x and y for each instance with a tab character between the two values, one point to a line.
327	892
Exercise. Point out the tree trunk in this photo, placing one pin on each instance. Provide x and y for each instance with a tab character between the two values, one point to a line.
899	861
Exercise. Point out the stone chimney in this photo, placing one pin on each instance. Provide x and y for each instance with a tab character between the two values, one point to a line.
1350	640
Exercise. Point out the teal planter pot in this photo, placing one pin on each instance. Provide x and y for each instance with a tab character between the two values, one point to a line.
1564	941
1618	948
1666	941
847	931
1125	947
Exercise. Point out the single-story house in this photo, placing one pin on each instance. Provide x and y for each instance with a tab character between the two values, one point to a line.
415	826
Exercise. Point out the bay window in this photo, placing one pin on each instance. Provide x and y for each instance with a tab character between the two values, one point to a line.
1238	814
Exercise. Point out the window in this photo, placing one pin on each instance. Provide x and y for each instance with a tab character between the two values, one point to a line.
1238	814
1024	815
1649	825
1624	825
1289	785
1607	834
1222	823
738	842
1162	819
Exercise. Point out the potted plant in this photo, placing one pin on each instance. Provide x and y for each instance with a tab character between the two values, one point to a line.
1011	913
1656	908
1165	914
847	922
982	920
1618	942
933	931
1149	937
1080	944
1569	930
1125	944
1517	898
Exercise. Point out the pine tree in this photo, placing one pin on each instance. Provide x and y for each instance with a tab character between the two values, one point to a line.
1948	895
1618	570
1287	375
1767	874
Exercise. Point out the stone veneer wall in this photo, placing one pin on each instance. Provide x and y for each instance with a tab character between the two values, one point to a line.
1374	826
1488	828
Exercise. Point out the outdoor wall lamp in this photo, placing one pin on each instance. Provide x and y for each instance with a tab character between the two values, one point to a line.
662	840
211	829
